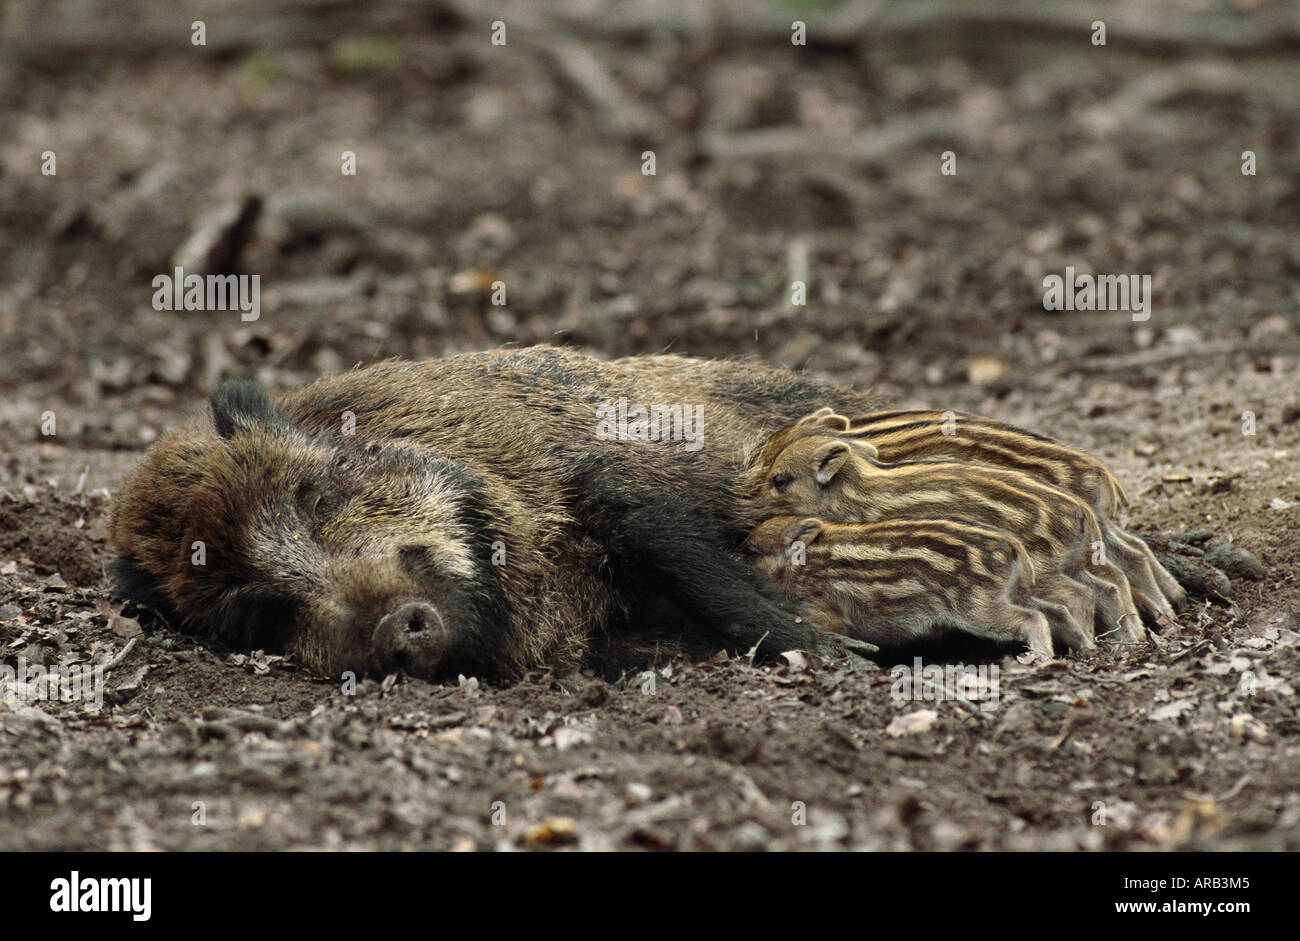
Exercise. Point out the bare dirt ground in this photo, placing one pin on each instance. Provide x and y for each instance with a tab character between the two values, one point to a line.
524	162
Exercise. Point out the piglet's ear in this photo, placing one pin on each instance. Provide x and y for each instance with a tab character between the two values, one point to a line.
241	405
824	419
827	461
805	531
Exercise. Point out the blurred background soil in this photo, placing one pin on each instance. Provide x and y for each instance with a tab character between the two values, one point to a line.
773	162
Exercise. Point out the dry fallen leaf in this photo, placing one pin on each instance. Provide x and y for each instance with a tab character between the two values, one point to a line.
119	625
1171	710
1079	715
552	831
474	281
568	736
125	627
795	660
133	681
914	723
1245	726
983	370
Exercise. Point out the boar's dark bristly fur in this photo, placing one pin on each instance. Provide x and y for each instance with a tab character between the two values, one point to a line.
473	523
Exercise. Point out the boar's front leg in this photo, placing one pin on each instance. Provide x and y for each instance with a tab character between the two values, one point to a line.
677	547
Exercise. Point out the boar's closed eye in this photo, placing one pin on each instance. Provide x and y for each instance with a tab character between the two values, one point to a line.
316	502
782	482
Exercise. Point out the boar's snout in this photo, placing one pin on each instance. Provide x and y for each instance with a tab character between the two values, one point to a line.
412	639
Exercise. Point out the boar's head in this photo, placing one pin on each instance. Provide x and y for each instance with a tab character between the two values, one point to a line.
247	529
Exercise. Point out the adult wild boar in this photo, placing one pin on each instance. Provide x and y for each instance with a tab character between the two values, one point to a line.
481	514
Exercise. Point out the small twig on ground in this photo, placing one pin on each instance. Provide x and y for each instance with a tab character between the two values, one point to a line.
956	697
122	655
1236	789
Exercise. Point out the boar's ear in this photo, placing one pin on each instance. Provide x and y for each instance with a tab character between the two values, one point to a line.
827	461
241	404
